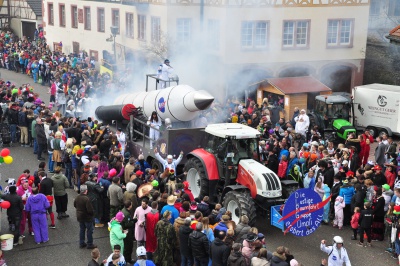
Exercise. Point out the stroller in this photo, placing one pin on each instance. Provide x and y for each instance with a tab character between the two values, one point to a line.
5	135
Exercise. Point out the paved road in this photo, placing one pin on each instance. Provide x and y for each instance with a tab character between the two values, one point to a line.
63	245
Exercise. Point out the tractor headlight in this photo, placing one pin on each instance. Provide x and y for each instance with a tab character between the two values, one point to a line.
266	193
279	193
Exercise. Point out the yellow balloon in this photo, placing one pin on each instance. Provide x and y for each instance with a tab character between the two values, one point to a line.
8	159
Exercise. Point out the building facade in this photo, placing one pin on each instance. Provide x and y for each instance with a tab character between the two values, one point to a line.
222	45
22	16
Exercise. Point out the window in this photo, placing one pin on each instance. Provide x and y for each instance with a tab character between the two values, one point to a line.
51	14
129	25
340	32
74	16
394	8
296	34
375	7
183	30
115	18
87	18
62	15
155	29
254	34
100	20
213	34
142	27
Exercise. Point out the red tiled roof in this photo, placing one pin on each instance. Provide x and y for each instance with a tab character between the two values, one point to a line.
395	31
293	85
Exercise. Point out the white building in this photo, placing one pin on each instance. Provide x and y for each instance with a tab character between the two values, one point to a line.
22	16
223	45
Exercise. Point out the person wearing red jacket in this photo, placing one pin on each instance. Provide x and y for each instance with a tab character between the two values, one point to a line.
365	148
26	175
187	190
390	174
151	221
282	167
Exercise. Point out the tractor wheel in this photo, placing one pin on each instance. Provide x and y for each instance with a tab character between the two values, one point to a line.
156	165
196	176
240	203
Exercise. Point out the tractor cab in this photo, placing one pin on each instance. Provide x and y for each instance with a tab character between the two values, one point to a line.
332	114
238	148
335	106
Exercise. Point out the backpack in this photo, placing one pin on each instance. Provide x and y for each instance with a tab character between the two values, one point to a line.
66	157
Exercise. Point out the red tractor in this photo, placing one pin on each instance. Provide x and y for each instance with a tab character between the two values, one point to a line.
228	171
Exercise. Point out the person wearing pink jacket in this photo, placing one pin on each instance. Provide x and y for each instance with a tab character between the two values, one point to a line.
24	190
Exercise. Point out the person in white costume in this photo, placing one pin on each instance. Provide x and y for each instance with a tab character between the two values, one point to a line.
154	122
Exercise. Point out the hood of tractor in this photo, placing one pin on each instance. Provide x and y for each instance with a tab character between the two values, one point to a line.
258	179
343	128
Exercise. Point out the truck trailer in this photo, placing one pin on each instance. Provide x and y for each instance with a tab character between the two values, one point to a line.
376	108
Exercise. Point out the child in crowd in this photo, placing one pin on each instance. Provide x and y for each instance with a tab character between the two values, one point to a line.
283	164
354	222
365	223
339	206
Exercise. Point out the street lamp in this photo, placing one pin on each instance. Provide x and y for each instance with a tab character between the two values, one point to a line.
114	32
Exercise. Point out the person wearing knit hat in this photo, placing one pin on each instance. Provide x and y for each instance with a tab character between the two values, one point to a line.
155	184
117	235
350	174
387	194
313	157
386	187
396	210
187	190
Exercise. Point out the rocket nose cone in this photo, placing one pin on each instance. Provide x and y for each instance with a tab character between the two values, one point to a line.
203	100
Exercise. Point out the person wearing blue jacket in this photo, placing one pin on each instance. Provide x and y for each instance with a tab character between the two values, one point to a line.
292	162
283	151
309	180
347	192
35	70
221	226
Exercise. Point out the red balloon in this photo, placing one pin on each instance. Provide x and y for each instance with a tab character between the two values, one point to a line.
5	204
5	152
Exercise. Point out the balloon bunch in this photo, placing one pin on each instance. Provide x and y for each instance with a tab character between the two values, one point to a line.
5	156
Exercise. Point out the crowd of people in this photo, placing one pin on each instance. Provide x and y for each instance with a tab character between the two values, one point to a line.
364	193
155	208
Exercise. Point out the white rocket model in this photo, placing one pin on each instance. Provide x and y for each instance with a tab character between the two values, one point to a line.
178	103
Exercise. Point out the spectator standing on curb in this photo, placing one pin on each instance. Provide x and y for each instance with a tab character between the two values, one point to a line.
85	216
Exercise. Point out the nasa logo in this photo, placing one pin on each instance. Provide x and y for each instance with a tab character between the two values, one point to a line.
334	257
161	105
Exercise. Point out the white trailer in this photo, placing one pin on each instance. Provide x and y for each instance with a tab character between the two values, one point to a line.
376	108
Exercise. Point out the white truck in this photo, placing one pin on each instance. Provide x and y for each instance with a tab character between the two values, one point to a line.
376	108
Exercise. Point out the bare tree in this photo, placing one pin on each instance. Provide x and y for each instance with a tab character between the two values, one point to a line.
159	50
